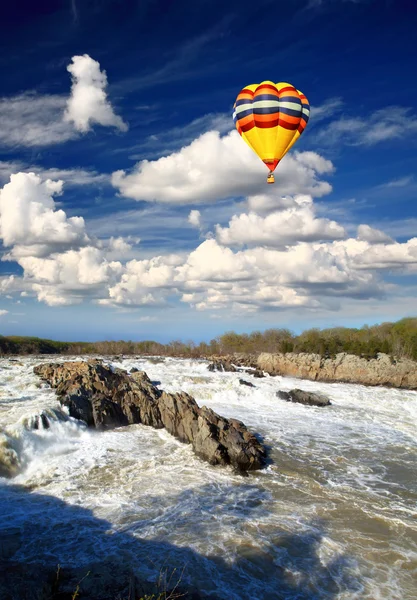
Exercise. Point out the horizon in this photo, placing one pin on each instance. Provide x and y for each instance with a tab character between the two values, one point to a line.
130	208
293	332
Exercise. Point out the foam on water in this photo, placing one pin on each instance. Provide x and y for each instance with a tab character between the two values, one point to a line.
332	516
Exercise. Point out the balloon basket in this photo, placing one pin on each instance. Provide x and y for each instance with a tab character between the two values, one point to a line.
270	178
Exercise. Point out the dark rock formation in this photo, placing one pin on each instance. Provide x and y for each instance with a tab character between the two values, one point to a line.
303	397
222	365
235	364
248	383
106	397
256	373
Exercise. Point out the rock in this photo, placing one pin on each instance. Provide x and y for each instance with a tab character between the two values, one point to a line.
106	397
248	383
257	373
222	365
303	397
383	370
133	370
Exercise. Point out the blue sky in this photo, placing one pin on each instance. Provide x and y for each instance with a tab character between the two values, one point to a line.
130	208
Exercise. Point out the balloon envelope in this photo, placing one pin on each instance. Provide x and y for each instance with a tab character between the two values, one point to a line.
270	117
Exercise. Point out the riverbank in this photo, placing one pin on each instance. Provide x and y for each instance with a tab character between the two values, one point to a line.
384	370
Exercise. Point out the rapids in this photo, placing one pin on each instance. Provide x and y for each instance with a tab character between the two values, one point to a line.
333	515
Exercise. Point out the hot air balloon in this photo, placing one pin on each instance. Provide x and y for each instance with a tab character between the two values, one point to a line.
270	117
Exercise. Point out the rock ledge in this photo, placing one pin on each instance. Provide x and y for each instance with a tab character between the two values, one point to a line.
105	397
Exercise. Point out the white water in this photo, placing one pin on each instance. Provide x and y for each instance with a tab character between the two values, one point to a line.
332	516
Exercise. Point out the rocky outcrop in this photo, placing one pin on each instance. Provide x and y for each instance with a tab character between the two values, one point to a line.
383	370
235	364
303	397
106	397
222	365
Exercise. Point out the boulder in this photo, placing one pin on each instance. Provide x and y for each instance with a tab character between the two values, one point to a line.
222	365
106	397
248	383
303	397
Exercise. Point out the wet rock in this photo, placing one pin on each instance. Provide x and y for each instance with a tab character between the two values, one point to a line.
106	397
133	370
303	397
222	365
257	373
248	383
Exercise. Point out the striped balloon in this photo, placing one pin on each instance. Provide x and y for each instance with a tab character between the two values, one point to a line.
270	117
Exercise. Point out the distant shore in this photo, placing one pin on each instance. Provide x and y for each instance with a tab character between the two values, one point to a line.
384	370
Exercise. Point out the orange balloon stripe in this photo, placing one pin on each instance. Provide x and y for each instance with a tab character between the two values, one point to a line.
288	119
246	120
265	118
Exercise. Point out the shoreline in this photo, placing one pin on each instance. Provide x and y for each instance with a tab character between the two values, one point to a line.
384	370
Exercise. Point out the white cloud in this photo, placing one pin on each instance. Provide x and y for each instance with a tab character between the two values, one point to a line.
279	229
69	277
389	256
194	218
372	235
265	203
399	183
88	102
309	275
119	244
73	269
141	279
3	312
325	110
71	177
214	167
33	120
29	220
147	319
392	122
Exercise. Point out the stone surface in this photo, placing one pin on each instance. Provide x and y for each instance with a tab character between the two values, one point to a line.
248	383
236	363
303	397
383	370
106	397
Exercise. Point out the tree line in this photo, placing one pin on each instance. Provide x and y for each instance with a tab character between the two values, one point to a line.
397	339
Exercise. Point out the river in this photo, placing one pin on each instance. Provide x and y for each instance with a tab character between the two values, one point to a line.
333	515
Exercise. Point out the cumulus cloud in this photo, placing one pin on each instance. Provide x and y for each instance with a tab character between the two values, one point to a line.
215	167
34	120
60	262
67	277
88	102
309	274
141	281
194	218
282	228
369	234
29	220
3	312
392	256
